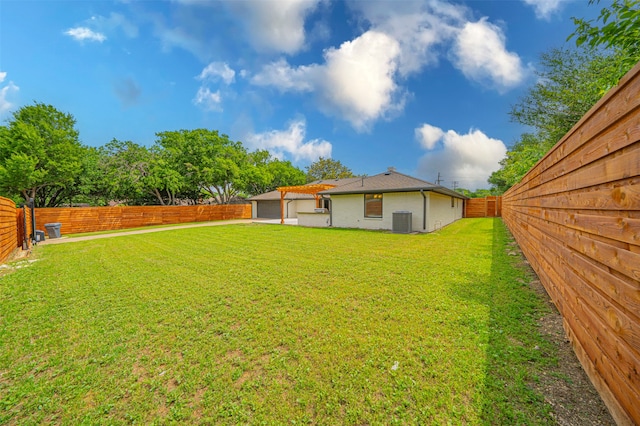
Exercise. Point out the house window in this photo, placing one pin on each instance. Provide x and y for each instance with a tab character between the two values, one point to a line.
372	205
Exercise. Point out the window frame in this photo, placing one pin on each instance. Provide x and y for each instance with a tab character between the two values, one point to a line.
369	198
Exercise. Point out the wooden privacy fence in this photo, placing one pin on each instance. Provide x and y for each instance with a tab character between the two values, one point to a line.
8	228
483	207
89	219
77	220
576	216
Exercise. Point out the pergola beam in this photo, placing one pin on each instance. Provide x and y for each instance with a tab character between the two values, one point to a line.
311	189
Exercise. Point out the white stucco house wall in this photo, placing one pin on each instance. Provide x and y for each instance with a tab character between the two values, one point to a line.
369	203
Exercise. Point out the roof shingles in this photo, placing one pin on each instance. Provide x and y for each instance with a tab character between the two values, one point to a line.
389	181
275	195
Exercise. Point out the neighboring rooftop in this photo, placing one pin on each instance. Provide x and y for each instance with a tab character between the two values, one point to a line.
390	181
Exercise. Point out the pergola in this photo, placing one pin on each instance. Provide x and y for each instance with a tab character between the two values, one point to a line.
312	189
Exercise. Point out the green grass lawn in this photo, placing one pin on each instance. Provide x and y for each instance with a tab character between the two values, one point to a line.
267	324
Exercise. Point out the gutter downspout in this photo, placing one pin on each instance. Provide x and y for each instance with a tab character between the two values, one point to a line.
424	210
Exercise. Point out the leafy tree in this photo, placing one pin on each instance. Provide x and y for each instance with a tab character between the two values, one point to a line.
327	168
520	158
210	163
619	30
479	193
569	83
284	174
134	174
40	155
123	165
265	173
84	189
162	180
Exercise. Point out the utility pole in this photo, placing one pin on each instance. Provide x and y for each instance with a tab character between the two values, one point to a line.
438	180
455	185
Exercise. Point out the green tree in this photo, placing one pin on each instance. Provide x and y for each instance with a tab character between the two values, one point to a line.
123	165
479	193
523	155
327	168
569	83
211	164
134	174
40	155
617	28
265	173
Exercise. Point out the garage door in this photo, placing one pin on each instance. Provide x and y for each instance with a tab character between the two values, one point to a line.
269	209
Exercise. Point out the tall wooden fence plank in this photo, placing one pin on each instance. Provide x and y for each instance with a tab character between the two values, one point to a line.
576	216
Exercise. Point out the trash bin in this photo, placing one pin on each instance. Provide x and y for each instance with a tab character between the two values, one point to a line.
53	229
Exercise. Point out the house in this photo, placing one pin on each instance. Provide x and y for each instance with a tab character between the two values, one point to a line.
267	205
370	203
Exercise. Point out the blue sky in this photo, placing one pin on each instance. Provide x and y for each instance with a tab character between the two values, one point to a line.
424	86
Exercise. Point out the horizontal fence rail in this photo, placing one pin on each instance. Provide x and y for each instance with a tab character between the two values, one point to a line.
576	216
76	220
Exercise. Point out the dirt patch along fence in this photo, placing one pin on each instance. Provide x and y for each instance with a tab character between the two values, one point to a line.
76	220
576	216
483	207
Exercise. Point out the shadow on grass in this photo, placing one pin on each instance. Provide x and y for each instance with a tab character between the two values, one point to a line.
516	352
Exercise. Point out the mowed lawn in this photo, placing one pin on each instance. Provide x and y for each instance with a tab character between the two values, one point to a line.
265	324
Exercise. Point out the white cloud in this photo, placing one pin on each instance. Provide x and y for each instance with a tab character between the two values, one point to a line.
276	26
544	8
418	27
356	82
290	141
5	93
286	78
359	78
83	34
480	53
208	100
468	159
429	135
218	70
426	30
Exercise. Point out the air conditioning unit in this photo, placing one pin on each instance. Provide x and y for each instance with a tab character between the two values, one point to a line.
401	222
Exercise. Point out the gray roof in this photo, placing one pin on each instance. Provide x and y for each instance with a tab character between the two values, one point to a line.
275	195
390	181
